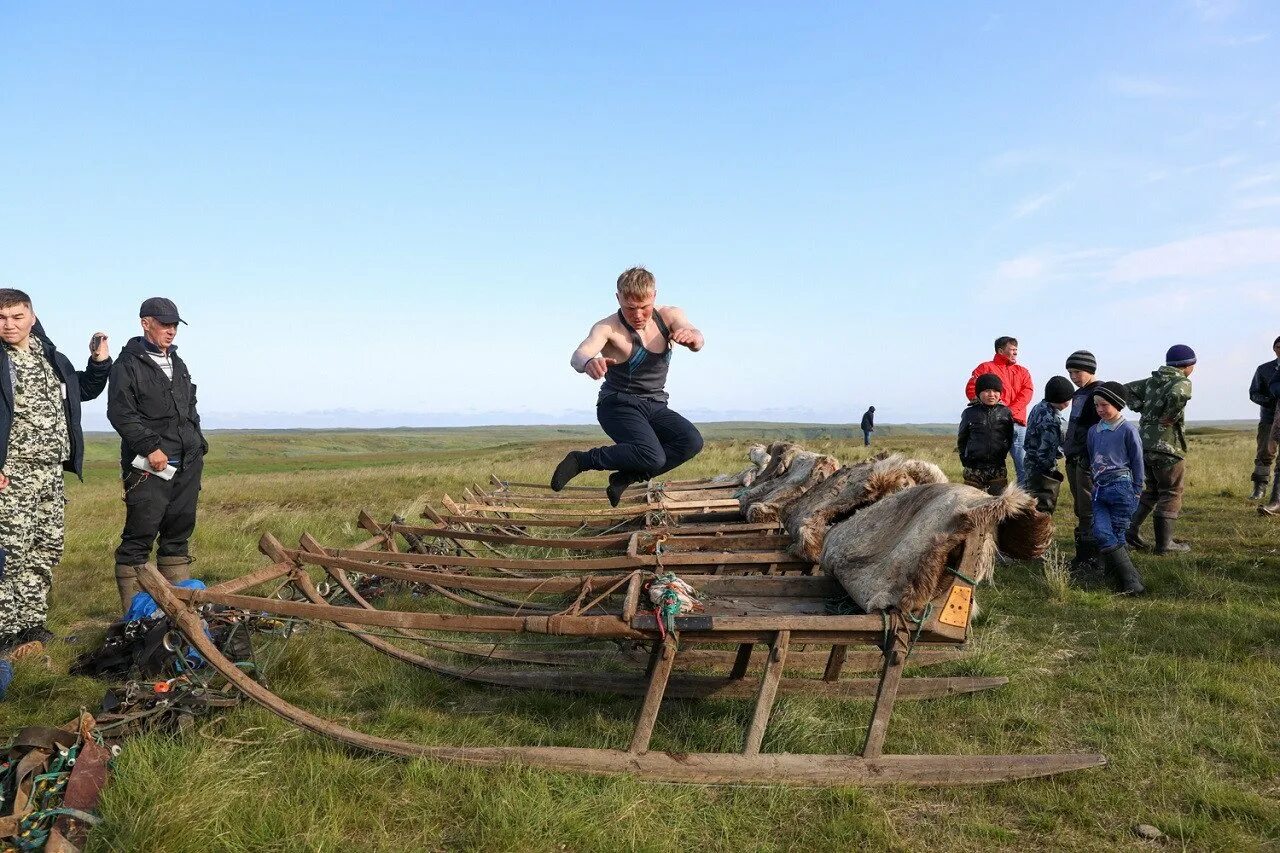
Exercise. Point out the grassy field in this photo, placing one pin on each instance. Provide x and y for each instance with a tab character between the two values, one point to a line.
1181	689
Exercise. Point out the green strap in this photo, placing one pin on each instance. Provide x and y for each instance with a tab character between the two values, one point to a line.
962	576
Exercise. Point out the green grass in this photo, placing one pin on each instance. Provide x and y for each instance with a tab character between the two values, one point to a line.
1181	689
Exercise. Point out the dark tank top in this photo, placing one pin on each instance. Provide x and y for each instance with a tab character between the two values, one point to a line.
645	373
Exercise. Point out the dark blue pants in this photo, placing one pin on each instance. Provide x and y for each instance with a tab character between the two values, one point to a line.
866	438
1113	506
650	438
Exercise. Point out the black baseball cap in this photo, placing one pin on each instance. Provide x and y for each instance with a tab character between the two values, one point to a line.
161	309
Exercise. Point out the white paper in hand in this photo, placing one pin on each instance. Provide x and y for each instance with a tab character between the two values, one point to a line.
141	463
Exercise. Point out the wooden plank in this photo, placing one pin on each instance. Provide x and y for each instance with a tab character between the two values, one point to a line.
835	662
895	655
768	693
260	576
653	697
742	661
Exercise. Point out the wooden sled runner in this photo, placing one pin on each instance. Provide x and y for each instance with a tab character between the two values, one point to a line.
794	617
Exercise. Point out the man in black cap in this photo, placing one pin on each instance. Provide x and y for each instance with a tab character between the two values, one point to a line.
152	404
1260	393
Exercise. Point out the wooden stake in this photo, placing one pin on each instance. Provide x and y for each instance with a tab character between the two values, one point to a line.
653	697
768	693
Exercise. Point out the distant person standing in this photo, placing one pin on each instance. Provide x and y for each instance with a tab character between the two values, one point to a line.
631	351
1272	508
1162	400
152	404
868	425
1261	394
1018	392
1082	368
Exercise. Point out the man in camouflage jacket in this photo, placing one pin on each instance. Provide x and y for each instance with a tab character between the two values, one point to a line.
1162	400
40	437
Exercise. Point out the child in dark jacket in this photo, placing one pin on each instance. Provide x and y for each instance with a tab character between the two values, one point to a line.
986	437
1046	429
1115	460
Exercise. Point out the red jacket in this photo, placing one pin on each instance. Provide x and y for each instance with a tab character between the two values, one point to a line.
1018	391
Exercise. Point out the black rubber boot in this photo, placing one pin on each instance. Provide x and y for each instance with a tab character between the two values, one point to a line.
618	483
1128	581
1165	543
1259	490
569	467
1272	508
1134	535
1087	565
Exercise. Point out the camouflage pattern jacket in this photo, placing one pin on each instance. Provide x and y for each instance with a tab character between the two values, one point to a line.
1162	401
1046	429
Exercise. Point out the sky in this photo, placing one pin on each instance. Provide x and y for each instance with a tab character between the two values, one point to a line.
409	214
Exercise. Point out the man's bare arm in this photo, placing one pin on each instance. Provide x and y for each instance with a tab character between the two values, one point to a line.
682	331
587	359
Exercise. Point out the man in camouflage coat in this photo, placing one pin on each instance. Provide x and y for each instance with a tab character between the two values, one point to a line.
40	437
1162	400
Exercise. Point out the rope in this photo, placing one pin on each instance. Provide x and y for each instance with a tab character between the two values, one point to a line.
962	576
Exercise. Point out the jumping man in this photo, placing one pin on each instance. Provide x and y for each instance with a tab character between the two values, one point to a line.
631	351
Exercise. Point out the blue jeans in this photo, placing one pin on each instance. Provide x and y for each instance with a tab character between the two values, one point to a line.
1018	454
1113	505
866	438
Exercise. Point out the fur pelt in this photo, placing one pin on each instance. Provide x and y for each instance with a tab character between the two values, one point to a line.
759	456
848	490
806	471
781	455
894	553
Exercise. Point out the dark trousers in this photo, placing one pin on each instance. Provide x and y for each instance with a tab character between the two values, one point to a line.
993	481
1080	484
1266	452
866	438
650	438
159	509
1164	484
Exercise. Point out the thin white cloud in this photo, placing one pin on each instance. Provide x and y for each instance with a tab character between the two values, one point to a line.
1047	266
1258	179
1032	204
1207	255
1215	10
1243	41
1145	87
1261	202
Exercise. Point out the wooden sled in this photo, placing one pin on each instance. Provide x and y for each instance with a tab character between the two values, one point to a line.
946	623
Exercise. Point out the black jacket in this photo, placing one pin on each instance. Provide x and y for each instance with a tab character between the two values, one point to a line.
986	435
868	420
81	385
150	411
1082	416
1260	390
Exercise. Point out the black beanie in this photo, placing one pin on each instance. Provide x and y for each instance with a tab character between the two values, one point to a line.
989	382
1114	393
1058	389
1082	359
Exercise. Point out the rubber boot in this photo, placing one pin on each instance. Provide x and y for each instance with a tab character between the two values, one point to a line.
1134	535
1165	543
126	585
1128	581
175	569
1272	508
619	482
1259	490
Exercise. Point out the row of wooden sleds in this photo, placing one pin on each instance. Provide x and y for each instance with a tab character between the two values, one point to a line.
807	575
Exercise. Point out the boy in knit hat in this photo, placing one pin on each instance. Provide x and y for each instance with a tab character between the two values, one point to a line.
1115	460
1046	429
986	436
1082	368
1162	400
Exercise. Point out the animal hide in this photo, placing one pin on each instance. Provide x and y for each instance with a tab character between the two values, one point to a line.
848	490
759	456
806	471
894	553
781	455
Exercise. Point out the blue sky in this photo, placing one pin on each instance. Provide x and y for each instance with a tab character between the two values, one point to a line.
410	213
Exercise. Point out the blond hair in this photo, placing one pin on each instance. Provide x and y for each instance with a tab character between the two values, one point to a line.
637	282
